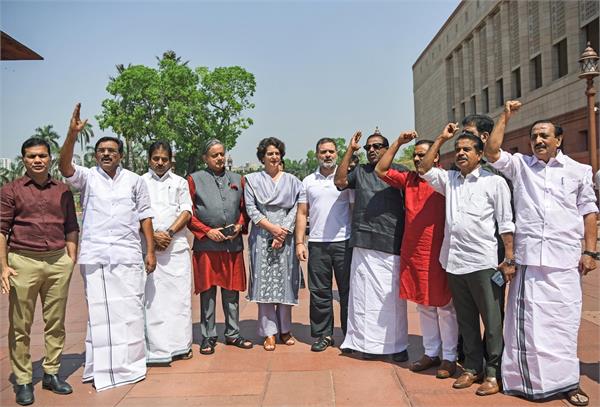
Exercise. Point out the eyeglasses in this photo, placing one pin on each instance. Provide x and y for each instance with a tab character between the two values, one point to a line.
376	146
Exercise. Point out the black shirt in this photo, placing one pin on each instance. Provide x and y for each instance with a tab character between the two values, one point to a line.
378	215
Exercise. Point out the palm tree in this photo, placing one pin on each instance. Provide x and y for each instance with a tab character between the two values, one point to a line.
17	169
5	176
47	133
89	158
84	136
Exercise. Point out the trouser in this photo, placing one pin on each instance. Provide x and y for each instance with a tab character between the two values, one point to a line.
440	330
46	274
502	306
475	294
274	319
323	257
231	303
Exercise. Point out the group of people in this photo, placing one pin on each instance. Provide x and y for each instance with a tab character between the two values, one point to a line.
447	240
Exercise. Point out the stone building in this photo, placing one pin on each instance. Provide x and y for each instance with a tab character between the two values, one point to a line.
488	52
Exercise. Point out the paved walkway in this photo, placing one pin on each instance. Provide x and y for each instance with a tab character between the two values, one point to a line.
289	376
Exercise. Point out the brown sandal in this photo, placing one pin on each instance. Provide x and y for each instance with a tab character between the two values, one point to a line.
287	339
577	397
269	343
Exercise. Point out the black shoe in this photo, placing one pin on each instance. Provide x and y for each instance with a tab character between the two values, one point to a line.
322	344
52	382
400	356
24	394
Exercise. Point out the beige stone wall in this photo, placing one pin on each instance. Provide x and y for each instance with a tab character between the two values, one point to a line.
556	97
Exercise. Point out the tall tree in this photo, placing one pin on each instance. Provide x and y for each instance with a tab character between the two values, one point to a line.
179	104
47	133
84	136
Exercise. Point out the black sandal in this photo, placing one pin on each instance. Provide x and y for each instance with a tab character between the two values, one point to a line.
208	345
239	342
574	397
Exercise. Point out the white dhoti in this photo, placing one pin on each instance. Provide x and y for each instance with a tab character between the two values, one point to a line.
115	347
377	319
540	332
169	307
440	330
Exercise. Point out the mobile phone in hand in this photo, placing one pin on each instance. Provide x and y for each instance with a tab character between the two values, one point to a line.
498	278
228	230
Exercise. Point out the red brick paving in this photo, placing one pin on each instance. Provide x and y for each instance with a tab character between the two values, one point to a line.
289	376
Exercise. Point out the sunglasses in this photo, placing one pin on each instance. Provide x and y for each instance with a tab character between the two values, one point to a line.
375	146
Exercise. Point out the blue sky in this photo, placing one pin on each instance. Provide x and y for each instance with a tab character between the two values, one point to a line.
323	68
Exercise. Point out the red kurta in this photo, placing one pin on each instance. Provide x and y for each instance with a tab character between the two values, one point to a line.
216	268
422	278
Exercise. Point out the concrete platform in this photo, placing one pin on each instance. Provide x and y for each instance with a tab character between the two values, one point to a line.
289	376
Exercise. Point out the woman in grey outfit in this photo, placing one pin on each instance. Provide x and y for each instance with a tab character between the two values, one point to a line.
271	199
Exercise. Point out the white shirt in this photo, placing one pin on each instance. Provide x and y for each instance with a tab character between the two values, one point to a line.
550	202
474	204
112	210
328	208
169	197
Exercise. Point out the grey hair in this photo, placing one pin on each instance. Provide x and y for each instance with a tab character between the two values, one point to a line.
211	143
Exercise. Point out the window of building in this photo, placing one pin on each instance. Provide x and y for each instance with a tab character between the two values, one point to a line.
561	64
499	92
485	100
463	111
516	83
590	33
535	71
473	105
452	115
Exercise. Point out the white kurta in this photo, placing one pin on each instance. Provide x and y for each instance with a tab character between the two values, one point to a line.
544	303
535	365
168	288
377	319
112	266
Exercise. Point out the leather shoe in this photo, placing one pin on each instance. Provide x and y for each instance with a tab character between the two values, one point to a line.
424	363
466	380
490	386
24	394
52	382
323	343
400	356
446	369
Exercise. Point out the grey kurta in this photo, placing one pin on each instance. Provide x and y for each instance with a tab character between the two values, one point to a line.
274	274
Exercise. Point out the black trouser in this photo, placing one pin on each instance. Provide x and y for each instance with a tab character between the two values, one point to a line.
324	260
475	294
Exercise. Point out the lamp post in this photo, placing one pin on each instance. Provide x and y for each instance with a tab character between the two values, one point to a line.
589	70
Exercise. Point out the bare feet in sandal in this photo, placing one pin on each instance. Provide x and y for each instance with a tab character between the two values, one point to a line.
287	339
269	343
578	397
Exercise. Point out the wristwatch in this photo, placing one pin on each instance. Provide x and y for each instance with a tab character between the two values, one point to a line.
510	262
170	232
593	255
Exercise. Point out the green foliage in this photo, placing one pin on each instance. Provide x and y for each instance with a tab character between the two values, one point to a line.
84	136
405	157
178	104
47	133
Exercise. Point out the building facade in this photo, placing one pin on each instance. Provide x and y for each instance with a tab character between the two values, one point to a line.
488	52
5	163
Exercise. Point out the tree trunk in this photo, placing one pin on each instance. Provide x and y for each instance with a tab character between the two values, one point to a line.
128	152
191	165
